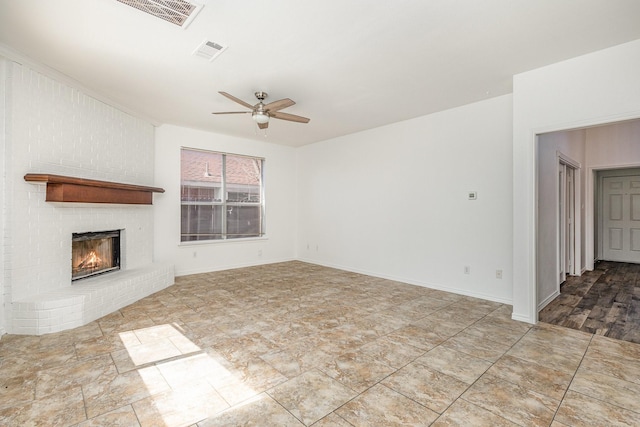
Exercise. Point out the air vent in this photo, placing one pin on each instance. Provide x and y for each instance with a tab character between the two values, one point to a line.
177	12
209	50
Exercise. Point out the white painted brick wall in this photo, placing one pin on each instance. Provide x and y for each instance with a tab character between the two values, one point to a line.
5	131
57	129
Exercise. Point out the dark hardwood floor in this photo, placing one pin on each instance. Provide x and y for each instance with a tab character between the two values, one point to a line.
605	301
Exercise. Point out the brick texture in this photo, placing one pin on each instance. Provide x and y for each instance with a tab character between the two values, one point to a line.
56	129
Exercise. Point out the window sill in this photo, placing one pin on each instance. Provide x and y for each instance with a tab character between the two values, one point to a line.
222	241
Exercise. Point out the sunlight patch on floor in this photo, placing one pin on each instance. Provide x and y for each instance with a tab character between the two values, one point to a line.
202	384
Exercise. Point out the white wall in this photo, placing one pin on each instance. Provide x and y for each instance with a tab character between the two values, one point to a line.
3	161
592	89
615	145
280	198
392	201
572	145
54	128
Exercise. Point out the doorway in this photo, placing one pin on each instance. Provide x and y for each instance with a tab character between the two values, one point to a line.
595	278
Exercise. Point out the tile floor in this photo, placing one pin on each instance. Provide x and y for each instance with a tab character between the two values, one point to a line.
295	344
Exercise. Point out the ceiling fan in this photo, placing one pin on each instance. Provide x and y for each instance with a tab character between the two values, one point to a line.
261	112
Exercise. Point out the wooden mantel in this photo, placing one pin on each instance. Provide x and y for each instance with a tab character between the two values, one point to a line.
79	190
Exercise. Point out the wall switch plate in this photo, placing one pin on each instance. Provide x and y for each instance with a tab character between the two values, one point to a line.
472	195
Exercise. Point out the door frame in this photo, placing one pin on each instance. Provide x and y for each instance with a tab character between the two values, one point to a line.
598	220
575	232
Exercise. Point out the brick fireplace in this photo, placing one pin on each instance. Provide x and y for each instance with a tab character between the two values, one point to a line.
54	128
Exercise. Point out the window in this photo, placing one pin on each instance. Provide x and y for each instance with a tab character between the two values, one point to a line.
221	196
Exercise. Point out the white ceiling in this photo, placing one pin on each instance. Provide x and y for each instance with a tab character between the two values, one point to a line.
349	64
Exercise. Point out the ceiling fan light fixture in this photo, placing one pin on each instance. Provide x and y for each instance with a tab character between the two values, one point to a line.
260	117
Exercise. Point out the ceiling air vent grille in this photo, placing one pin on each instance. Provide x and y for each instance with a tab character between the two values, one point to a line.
209	50
177	12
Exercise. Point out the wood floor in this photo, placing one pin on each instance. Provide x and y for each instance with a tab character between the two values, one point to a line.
605	301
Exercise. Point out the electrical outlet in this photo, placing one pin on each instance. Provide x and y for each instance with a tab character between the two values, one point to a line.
467	269
195	254
259	252
498	274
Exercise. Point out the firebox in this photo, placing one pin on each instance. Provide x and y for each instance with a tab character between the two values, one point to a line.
94	253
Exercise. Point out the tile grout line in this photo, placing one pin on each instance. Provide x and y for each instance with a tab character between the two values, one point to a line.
481	375
572	378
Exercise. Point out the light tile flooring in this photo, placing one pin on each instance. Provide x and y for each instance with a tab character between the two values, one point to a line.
295	344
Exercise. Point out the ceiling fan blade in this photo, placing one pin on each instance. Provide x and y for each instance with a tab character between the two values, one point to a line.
234	99
279	105
263	125
233	112
290	117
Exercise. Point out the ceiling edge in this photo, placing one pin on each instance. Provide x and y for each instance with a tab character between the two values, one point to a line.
22	59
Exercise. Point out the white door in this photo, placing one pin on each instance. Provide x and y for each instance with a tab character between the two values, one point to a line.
562	224
566	221
569	222
621	218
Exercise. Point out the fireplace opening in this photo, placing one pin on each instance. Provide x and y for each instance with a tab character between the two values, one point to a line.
94	253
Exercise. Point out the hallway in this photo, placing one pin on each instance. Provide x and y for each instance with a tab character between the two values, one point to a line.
605	301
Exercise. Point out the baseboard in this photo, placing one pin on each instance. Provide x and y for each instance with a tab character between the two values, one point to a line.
412	282
423	284
548	299
522	318
211	269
